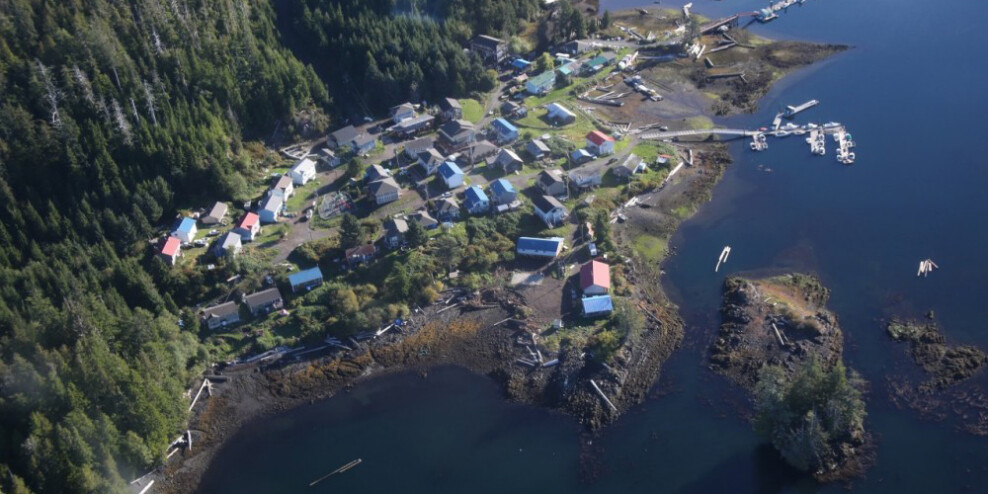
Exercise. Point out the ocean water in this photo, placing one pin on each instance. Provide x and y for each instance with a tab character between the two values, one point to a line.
911	91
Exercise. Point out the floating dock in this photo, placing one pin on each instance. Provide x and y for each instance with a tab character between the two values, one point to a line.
723	257
792	111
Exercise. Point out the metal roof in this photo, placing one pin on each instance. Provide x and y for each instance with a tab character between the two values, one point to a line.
504	126
475	195
449	170
502	186
548	246
307	276
186	225
597	305
595	273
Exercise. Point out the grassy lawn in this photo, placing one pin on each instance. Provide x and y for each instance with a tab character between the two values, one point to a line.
699	122
649	151
575	132
472	110
649	247
300	198
272	233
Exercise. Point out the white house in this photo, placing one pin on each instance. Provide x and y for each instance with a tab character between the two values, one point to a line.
248	227
229	244
451	174
600	143
185	230
303	171
559	114
216	214
284	185
402	112
384	191
271	207
552	212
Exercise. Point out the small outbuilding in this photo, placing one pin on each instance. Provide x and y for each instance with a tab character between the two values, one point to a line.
305	280
539	247
598	305
216	214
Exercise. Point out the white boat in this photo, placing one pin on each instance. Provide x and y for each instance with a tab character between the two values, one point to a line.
830	125
782	133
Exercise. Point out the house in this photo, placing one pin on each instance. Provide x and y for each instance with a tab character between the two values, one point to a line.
502	192
596	64
264	301
580	156
599	143
360	254
413	148
569	68
539	247
228	245
429	161
595	278
559	114
384	191
598	305
363	143
450	109
447	209
551	183
456	134
504	132
375	173
510	110
271	208
552	212
577	47
222	315
185	229
508	161
394	232
521	65
303	171
537	149
424	219
284	185
476	201
412	126
476	152
629	166
305	280
542	83
582	179
248	227
402	112
342	138
169	250
329	158
451	174
216	214
490	49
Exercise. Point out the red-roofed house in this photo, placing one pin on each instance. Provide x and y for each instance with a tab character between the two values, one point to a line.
170	249
248	227
595	278
599	143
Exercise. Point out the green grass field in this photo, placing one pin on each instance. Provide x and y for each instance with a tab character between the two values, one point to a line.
472	110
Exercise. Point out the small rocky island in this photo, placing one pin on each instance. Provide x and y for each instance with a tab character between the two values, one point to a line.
945	364
779	342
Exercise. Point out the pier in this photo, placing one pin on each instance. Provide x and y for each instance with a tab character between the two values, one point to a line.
792	111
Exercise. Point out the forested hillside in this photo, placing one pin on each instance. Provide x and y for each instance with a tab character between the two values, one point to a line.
112	114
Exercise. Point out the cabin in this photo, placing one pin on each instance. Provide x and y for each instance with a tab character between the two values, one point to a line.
599	143
508	161
424	219
284	185
395	230
628	167
559	114
216	214
402	112
169	250
413	148
384	191
228	245
582	179
451	175
447	209
551	183
412	126
502	192
457	134
476	152
271	208
580	156
248	227
185	230
220	316
537	149
539	247
303	171
305	280
491	50
476	200
450	109
550	210
504	132
342	138
361	254
429	161
595	278
541	84
264	301
598	305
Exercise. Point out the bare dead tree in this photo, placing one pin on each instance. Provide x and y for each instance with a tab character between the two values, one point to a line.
53	95
122	124
149	101
83	81
133	110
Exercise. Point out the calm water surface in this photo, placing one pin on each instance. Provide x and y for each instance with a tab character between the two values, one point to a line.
912	92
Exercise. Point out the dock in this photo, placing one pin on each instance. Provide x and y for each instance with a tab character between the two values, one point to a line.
792	111
338	470
723	257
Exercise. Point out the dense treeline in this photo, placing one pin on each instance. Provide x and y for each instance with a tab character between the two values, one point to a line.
114	114
382	52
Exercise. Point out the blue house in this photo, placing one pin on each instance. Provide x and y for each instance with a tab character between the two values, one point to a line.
503	192
597	306
305	280
451	174
504	130
476	201
539	247
185	230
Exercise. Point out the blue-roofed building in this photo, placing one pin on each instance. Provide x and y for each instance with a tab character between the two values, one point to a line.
580	156
539	247
476	201
505	132
305	280
502	192
569	68
521	64
185	230
451	174
597	306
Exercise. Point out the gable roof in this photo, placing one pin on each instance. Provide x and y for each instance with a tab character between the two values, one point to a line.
230	239
487	41
422	143
547	179
507	154
597	304
363	139
344	135
283	182
306	276
423	218
599	138
248	221
538	145
595	273
545	78
305	165
396	226
475	195
376	172
447	104
263	297
185	225
218	211
580	154
503	126
430	156
361	251
454	128
273	202
402	108
547	203
448	204
554	108
502	186
220	310
383	186
449	169
171	246
542	245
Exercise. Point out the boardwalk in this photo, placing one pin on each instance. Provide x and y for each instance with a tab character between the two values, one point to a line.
692	133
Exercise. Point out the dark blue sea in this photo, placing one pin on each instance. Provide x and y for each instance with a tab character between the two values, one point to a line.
912	91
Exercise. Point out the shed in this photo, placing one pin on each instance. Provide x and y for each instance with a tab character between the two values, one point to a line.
597	305
539	247
216	214
305	280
